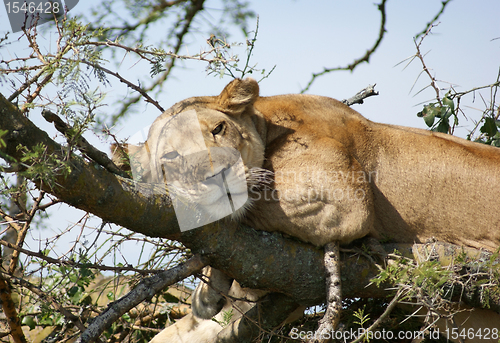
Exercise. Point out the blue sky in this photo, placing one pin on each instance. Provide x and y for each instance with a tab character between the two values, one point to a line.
301	37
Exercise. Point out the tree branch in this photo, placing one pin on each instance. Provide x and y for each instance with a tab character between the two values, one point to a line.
68	262
227	245
147	288
21	234
436	17
361	95
48	298
191	12
9	308
364	58
83	144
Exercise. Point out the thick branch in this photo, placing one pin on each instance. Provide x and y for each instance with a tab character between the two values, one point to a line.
9	308
147	288
331	317
83	144
229	246
91	189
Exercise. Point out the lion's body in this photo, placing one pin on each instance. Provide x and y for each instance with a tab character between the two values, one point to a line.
338	176
192	329
417	184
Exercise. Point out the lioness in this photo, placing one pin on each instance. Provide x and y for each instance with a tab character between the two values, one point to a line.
337	176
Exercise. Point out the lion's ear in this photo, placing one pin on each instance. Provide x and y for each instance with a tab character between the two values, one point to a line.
238	95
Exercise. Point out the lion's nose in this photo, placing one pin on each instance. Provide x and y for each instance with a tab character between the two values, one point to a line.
219	170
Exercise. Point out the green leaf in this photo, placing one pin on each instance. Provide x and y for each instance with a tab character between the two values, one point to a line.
75	294
429	119
29	321
2	142
445	112
170	298
448	102
489	127
443	126
429	113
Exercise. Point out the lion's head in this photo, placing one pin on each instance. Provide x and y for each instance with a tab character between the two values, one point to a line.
207	152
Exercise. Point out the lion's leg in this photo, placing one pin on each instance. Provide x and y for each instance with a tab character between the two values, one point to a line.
331	317
208	297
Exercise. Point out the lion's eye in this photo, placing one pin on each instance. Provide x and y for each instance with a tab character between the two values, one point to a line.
171	155
218	129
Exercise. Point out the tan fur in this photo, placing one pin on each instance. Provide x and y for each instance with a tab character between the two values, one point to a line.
339	176
192	329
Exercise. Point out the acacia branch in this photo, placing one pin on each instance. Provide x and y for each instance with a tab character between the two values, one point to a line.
147	288
143	53
21	234
425	69
361	95
379	320
85	147
68	315
228	246
191	12
158	9
9	308
436	17
364	58
66	262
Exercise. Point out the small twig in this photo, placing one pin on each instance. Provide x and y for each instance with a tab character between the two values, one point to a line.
21	235
147	288
48	298
433	83
26	84
384	315
361	95
84	146
128	83
71	263
142	53
364	58
436	18
189	15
